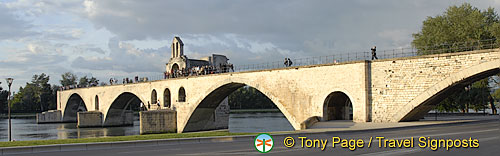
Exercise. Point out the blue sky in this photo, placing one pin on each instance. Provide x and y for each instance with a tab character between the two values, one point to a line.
124	38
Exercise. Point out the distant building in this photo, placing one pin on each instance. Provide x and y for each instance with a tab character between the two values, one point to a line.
179	61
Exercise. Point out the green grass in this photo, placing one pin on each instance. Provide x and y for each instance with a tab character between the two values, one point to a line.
121	138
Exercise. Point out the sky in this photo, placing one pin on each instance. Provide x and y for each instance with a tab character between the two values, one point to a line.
124	38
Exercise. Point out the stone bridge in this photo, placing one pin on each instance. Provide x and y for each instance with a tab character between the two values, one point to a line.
389	90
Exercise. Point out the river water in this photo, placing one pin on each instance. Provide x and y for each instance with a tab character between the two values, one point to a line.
27	129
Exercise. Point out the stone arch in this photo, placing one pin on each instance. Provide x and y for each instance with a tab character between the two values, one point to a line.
426	101
337	106
96	103
175	67
167	98
182	95
118	113
154	97
197	116
74	105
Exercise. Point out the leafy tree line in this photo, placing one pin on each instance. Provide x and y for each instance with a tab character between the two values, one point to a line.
456	30
3	100
39	95
249	98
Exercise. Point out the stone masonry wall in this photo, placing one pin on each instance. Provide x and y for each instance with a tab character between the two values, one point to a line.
396	82
158	121
89	119
50	116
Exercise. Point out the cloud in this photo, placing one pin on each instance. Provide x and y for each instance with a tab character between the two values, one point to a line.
314	27
124	37
13	27
24	64
398	37
126	58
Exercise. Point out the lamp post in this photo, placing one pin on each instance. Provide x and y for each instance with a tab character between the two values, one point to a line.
9	81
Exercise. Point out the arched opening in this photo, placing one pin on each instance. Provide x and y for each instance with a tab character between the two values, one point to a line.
175	67
122	110
154	97
178	49
166	98
96	103
74	105
209	114
407	113
337	106
182	95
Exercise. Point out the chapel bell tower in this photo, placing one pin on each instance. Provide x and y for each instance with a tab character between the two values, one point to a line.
177	47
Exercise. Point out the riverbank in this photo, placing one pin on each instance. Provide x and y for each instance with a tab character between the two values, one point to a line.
122	138
19	116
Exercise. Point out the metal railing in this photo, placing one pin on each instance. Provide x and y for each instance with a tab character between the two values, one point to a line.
381	54
354	56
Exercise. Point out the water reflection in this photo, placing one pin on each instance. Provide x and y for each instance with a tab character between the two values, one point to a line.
258	122
27	129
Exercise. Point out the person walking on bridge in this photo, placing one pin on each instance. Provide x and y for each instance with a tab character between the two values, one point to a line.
374	52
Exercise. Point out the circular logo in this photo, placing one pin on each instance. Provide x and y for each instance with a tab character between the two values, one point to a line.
263	143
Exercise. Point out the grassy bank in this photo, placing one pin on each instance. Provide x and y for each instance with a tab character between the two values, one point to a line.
121	138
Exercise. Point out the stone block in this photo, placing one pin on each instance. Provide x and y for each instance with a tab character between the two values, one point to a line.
51	116
89	119
158	121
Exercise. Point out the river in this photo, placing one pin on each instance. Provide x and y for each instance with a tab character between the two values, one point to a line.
27	129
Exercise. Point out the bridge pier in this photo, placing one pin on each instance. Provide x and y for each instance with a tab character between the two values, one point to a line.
51	116
89	119
158	121
126	118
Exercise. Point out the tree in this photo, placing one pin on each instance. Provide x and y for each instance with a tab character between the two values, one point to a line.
249	98
68	79
459	28
495	97
93	81
37	96
43	90
84	81
3	100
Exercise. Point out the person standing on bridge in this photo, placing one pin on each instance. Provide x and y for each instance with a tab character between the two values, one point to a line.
142	106
374	52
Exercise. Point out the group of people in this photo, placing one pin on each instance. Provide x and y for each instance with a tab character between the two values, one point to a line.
91	84
127	80
77	86
148	107
199	70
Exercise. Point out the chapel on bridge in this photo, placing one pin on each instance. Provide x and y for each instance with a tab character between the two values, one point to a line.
179	61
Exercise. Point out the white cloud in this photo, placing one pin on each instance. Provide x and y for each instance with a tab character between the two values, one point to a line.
398	37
